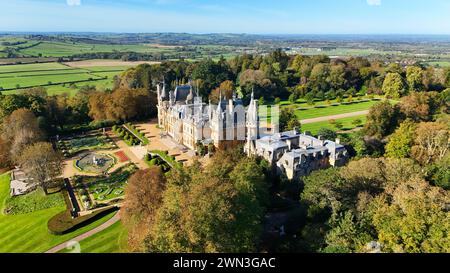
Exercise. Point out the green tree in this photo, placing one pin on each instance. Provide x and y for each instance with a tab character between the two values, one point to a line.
412	218
414	76
393	86
381	120
217	209
400	143
288	120
327	133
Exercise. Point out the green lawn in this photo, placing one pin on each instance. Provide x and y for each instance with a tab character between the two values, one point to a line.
346	122
27	233
334	110
110	240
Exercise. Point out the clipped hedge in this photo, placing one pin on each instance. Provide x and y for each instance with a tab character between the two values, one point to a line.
63	223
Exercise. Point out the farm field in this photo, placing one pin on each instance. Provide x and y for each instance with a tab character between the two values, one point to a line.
28	233
58	78
111	240
439	63
64	49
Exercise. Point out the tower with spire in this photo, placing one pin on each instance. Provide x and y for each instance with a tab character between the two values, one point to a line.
252	126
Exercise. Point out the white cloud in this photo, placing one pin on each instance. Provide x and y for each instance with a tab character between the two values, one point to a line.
74	2
374	2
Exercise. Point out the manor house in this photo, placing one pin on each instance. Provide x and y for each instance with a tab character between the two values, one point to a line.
184	116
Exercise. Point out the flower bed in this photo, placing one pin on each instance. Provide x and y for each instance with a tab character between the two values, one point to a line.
121	156
73	146
105	188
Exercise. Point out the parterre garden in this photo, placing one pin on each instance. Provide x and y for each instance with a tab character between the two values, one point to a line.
91	142
26	230
93	191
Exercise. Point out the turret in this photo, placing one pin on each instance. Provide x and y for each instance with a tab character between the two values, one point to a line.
252	124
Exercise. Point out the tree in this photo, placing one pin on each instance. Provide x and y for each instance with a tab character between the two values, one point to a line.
412	218
414	76
22	129
211	75
431	142
288	120
122	105
5	158
143	197
327	133
393	86
357	122
439	173
226	88
420	106
381	120
400	143
217	209
41	163
338	124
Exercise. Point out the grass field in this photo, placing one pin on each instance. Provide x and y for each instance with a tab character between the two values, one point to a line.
346	122
58	78
27	233
63	49
334	110
110	240
439	63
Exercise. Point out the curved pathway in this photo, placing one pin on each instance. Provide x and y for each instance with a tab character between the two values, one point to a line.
83	236
327	118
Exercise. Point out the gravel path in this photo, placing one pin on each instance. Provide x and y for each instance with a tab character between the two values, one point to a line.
83	236
327	118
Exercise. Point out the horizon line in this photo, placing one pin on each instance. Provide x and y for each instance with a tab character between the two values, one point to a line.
224	33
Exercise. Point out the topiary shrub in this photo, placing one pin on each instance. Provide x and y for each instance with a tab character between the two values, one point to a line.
63	223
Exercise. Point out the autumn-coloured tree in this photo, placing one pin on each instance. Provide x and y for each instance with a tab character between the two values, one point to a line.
5	159
143	197
41	163
21	128
431	142
226	88
122	104
420	106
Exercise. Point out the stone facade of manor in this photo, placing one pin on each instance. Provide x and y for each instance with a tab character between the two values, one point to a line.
184	116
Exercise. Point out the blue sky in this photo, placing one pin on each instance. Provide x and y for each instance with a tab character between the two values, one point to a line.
231	16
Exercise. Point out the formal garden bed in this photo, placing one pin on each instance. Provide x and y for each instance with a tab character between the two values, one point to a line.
96	163
157	156
93	191
92	142
122	156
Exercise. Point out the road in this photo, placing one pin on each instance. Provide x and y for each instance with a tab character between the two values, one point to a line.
327	118
85	235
